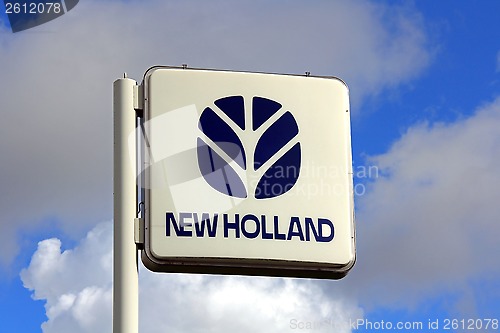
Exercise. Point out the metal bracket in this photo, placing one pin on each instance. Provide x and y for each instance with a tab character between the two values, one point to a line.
138	98
139	229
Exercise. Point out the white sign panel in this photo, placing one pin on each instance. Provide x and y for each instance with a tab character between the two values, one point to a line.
247	173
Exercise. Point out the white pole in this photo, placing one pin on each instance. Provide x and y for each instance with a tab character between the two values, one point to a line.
125	270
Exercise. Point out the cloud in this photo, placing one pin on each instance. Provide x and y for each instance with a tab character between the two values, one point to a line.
76	285
55	92
428	223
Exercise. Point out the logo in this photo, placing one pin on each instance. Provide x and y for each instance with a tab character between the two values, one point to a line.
248	148
24	14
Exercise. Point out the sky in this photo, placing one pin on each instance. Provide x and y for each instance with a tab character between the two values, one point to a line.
424	82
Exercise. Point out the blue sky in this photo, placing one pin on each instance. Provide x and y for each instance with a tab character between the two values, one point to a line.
424	79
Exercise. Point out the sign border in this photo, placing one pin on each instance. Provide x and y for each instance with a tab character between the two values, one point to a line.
235	266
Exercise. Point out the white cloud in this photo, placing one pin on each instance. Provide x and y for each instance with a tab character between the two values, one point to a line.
430	222
76	285
55	91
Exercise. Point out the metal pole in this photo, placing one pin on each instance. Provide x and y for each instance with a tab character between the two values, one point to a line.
125	269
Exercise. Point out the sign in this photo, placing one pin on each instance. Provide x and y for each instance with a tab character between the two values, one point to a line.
247	173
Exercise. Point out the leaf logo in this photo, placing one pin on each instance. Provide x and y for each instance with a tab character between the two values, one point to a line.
243	141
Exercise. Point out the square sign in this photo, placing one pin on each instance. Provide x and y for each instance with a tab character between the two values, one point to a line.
247	173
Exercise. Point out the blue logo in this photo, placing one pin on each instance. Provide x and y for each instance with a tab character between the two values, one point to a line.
271	152
26	14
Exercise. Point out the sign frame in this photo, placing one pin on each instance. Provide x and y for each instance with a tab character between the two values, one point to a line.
233	265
